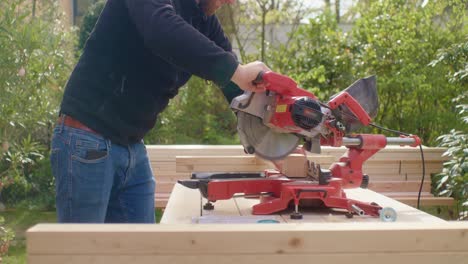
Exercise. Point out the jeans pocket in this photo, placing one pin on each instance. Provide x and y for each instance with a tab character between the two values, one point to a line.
87	149
59	166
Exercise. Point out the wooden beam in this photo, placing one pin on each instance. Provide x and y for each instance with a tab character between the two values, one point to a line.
249	243
413	258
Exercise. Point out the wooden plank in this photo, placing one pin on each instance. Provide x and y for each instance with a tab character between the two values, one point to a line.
183	211
193	163
403	186
369	258
233	163
390	152
426	201
165	187
248	239
393	163
192	202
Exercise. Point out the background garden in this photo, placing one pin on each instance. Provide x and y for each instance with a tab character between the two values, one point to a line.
417	49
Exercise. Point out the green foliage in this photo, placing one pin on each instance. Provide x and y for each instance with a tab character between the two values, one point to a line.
394	40
35	61
198	115
18	161
6	236
456	57
89	21
319	57
20	220
453	181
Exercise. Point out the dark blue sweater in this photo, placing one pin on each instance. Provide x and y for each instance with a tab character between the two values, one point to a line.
137	57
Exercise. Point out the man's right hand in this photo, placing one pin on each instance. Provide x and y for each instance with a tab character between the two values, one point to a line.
246	74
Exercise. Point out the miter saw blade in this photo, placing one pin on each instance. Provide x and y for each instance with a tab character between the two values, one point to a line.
262	140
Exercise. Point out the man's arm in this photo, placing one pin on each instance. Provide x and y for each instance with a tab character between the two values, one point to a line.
230	90
176	41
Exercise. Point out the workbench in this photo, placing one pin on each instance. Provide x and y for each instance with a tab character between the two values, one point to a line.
186	206
231	235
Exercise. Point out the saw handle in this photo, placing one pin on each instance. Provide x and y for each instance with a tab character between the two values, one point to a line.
259	79
281	84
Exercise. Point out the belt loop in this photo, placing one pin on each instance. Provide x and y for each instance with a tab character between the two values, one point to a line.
62	122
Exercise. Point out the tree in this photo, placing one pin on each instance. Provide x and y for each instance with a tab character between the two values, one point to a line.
252	19
394	40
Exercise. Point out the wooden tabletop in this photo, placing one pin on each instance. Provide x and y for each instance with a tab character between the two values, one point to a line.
185	206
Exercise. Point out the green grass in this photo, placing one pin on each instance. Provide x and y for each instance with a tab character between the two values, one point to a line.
444	212
21	220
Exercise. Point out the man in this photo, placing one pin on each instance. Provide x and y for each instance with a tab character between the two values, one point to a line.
138	55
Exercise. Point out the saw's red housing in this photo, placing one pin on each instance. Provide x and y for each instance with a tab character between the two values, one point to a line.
346	173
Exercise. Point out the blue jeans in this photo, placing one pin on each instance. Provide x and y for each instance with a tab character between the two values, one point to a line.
97	181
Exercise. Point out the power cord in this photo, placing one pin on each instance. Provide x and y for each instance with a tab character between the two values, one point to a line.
424	174
422	159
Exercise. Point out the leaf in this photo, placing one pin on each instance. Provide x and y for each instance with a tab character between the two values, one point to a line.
445	193
444	179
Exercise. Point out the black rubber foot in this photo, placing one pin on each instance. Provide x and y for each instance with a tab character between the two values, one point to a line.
208	206
365	181
349	215
296	216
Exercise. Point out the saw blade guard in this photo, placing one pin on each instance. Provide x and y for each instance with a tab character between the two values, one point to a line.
364	91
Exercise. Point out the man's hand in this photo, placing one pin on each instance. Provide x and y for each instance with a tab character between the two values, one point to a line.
246	74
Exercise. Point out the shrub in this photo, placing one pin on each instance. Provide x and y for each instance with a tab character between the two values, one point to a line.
35	61
6	236
198	115
453	181
88	23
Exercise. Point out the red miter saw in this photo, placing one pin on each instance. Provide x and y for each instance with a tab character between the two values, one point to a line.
271	125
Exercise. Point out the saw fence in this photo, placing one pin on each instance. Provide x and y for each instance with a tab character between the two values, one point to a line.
394	171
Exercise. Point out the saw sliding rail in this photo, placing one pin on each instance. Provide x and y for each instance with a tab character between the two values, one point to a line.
402	141
277	192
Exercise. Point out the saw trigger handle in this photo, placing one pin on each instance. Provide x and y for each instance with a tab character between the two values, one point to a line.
259	78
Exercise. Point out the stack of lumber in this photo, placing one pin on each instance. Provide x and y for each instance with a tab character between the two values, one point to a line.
394	171
163	163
